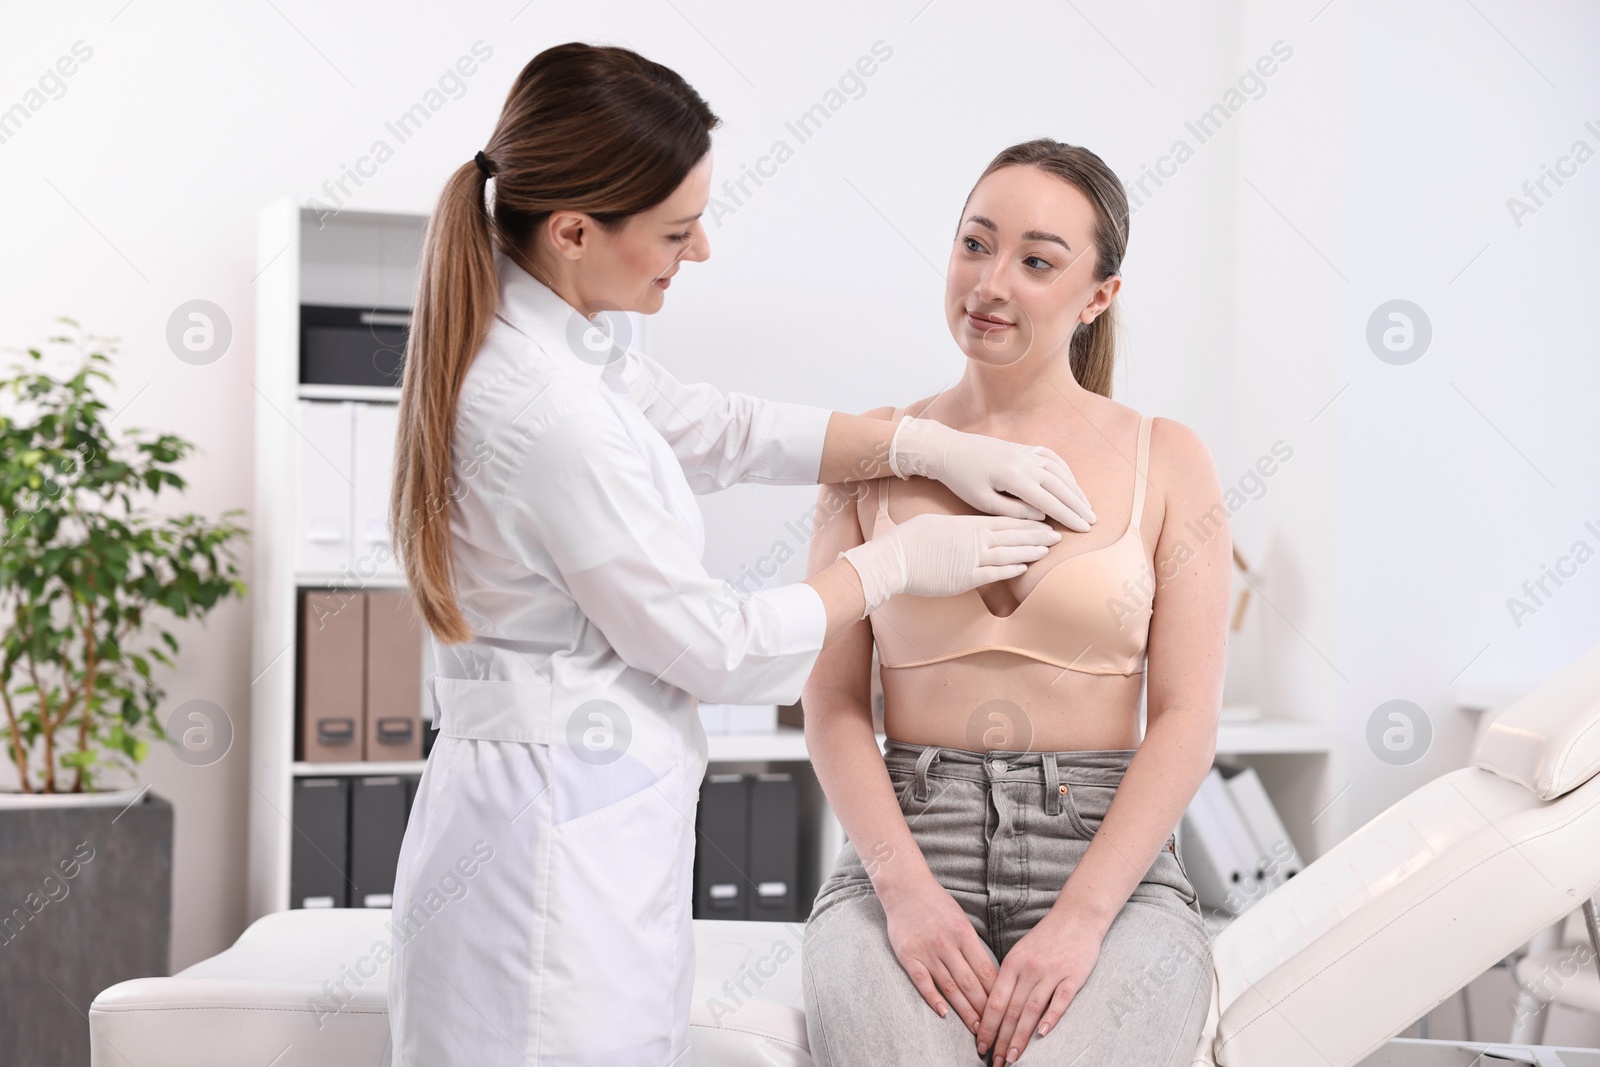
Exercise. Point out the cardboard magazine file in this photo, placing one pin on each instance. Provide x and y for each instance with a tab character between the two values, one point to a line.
394	676
332	635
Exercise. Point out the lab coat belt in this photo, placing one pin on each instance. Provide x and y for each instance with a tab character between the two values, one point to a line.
493	709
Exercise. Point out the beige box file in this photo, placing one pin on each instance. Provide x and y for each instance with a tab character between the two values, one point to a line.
394	676
332	647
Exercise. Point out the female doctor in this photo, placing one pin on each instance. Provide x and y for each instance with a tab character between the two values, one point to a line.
544	508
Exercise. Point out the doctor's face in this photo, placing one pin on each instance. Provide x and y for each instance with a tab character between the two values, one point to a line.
1021	275
629	268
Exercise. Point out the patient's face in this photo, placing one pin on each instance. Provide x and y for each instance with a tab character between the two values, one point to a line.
1021	273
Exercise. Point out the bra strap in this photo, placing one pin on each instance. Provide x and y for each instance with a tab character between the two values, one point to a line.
1141	468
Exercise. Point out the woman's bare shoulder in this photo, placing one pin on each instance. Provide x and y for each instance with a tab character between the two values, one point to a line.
1178	450
1183	477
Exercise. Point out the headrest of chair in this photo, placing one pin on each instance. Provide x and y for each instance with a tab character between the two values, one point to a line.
1549	741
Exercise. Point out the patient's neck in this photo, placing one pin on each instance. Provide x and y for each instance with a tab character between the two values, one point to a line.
996	398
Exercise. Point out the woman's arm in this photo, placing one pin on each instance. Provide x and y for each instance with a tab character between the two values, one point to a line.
934	940
1187	646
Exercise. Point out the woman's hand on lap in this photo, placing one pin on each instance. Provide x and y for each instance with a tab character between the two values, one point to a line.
1038	979
940	952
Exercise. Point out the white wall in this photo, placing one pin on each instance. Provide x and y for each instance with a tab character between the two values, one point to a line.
1373	163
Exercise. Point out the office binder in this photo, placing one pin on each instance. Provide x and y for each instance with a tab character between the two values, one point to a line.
774	847
332	645
393	677
1277	859
377	824
1218	851
376	426
323	473
318	857
721	858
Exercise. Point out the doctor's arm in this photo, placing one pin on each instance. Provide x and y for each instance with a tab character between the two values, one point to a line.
579	495
724	438
1187	645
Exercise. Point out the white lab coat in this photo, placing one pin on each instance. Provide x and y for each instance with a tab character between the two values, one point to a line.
542	902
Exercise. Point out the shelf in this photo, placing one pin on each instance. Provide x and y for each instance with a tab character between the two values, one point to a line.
785	743
314	580
1274	736
380	393
1482	698
788	744
362	768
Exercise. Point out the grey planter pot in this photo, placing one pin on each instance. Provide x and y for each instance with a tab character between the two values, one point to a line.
85	902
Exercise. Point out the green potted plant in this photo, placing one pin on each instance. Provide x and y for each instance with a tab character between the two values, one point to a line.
86	572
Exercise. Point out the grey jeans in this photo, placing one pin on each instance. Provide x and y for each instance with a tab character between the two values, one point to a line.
1001	832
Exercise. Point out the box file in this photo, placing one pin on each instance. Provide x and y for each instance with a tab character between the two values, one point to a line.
324	470
1218	851
393	705
722	831
332	647
374	434
774	848
378	810
1277	859
318	856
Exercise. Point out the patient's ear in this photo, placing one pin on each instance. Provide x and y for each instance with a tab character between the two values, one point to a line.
1104	293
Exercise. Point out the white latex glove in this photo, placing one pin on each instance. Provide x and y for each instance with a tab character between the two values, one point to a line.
942	555
981	469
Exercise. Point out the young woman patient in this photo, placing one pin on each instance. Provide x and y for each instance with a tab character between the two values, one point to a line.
1011	882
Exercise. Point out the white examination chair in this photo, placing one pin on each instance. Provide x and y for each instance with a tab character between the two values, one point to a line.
1321	972
1429	894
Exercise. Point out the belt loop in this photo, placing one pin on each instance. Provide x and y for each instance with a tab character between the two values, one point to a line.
920	787
1053	789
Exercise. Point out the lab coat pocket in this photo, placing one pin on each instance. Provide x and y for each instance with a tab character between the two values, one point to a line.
619	916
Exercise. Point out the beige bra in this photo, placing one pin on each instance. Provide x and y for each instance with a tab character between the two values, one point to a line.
1089	613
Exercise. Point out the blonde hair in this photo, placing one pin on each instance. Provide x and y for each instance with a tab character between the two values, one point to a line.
596	129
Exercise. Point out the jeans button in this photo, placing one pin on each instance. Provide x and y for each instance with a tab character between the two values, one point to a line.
998	766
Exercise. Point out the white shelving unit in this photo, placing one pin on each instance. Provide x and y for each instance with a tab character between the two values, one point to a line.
370	259
355	259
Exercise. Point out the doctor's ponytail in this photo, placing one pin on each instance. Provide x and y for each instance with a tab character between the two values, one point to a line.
596	129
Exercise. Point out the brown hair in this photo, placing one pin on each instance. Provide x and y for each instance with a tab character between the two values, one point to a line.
596	129
1093	351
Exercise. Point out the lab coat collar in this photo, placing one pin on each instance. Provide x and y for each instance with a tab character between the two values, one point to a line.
539	312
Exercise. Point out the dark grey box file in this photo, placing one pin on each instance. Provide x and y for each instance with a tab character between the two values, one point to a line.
318	857
722	828
377	825
774	848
